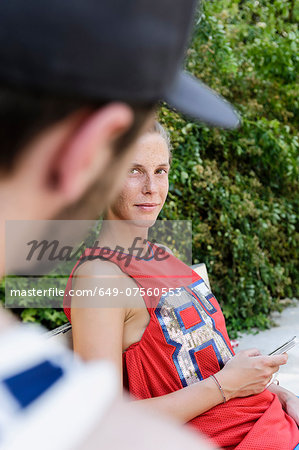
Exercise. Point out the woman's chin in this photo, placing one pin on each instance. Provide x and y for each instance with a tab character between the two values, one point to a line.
144	221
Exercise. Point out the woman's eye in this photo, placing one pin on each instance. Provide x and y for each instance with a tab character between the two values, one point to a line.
162	171
133	171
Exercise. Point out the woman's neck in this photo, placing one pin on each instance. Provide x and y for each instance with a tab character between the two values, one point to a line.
124	234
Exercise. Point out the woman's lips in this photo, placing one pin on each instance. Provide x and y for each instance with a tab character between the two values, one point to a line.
147	206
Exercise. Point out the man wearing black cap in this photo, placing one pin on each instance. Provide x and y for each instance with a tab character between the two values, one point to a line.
79	80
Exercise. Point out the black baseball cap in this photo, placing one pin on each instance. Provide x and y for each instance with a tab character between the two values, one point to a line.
125	50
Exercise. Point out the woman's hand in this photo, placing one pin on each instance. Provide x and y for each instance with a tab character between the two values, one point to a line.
292	407
248	373
288	400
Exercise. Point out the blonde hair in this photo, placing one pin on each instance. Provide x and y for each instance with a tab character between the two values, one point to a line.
158	128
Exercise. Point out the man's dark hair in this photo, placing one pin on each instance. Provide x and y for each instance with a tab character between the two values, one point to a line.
24	114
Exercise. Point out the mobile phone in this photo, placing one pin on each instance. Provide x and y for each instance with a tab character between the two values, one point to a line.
285	347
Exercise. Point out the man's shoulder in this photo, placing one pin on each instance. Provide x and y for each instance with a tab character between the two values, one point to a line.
42	376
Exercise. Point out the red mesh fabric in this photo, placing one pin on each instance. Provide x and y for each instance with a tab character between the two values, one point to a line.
156	366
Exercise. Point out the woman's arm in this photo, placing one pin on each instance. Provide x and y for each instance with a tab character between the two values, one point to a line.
245	374
98	333
189	402
98	321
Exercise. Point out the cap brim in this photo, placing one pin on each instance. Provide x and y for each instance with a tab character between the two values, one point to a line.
191	97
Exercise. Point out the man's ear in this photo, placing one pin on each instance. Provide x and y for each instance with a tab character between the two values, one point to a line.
87	151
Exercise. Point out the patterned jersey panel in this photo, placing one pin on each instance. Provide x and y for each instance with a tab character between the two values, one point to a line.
189	321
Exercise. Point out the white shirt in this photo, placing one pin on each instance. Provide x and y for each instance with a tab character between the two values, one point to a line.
49	397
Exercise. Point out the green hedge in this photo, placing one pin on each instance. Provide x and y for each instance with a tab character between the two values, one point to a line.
239	188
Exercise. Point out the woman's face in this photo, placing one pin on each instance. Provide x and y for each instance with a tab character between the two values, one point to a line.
146	186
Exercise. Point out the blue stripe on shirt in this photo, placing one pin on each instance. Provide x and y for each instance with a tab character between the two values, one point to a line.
28	385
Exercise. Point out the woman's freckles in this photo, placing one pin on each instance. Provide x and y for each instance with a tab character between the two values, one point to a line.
146	186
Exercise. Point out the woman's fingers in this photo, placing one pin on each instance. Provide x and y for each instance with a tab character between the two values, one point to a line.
275	370
249	372
251	352
277	360
272	361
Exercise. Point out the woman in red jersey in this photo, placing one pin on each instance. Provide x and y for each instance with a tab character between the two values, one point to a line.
158	321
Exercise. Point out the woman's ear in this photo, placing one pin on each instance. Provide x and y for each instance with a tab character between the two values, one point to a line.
87	151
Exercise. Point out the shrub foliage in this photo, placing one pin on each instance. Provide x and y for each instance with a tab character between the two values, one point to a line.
240	188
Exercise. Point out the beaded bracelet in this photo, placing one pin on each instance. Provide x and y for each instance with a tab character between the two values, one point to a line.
219	386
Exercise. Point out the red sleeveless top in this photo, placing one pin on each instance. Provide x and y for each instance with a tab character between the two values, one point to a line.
186	341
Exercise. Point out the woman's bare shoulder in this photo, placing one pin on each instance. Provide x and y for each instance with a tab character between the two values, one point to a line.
97	266
103	272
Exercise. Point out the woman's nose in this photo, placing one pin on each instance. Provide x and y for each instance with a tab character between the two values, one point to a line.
149	185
